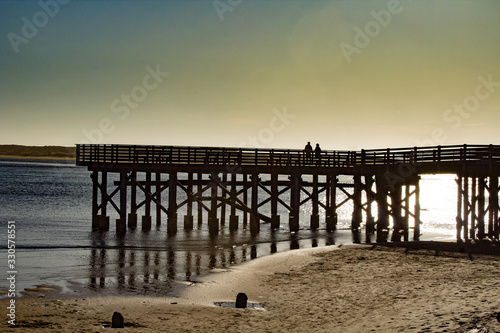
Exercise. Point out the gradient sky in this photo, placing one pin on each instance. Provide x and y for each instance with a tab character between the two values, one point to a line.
234	71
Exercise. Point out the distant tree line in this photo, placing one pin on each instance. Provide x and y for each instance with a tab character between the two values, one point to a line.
38	151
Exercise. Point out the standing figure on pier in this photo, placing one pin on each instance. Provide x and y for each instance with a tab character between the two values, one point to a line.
308	153
317	154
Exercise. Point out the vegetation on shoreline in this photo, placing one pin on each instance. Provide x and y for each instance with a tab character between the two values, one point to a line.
38	151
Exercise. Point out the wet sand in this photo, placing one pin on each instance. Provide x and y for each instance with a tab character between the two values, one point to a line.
434	287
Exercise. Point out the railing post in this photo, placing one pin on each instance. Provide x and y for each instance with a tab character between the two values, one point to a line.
363	157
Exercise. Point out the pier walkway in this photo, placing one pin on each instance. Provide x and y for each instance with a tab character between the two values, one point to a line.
245	180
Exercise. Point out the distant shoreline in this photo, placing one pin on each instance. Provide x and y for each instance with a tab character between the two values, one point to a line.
37	153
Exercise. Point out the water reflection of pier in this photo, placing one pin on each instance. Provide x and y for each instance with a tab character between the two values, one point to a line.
142	270
251	183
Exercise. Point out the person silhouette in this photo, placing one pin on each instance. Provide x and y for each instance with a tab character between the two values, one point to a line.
317	154
308	152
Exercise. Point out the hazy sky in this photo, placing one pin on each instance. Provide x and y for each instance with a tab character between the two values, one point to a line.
267	73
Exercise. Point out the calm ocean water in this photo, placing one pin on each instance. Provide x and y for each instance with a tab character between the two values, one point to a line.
51	206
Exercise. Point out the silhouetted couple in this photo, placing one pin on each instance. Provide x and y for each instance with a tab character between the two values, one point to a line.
309	153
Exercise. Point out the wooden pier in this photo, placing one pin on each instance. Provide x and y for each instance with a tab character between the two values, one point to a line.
241	181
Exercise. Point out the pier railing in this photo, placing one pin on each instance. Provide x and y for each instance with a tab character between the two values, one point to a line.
142	154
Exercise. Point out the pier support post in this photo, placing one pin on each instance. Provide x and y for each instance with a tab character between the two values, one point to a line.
495	231
158	198
315	204
382	207
254	217
104	220
223	200
294	203
370	222
466	208
121	223
417	222
331	201
233	218
406	219
132	216
473	206
357	211
460	194
397	217
95	203
245	199
481	212
200	199
146	218
188	218
213	221
275	218
172	204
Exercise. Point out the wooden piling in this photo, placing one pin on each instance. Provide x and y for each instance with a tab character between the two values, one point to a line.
294	202
223	199
245	200
233	218
331	213
397	218
158	197
132	216
104	220
172	204
315	204
481	210
95	196
382	208
494	206
146	218
473	206
459	220
275	218
254	217
406	220
357	210
213	221
188	218
199	199
370	222
466	208
417	222
121	223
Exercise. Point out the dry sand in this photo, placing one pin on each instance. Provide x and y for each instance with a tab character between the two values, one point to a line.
352	289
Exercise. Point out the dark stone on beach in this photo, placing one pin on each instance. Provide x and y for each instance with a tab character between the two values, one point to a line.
117	321
241	301
498	317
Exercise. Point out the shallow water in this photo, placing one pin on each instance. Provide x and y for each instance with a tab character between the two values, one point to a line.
51	206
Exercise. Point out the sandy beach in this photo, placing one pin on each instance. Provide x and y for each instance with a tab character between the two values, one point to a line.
358	288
